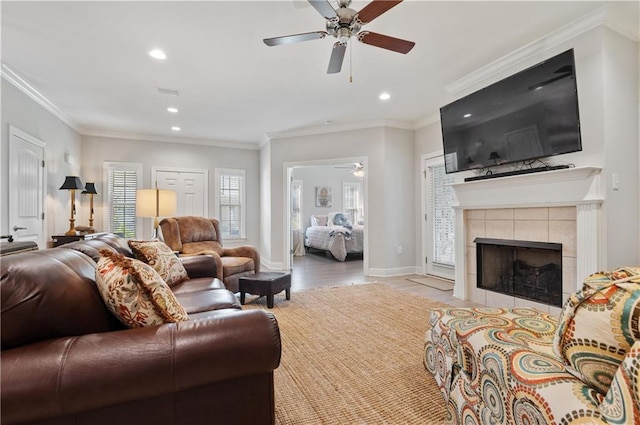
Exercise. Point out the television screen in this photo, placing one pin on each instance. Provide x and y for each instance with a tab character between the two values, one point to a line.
530	115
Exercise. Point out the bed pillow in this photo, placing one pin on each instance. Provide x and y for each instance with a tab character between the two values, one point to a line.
339	219
319	220
135	293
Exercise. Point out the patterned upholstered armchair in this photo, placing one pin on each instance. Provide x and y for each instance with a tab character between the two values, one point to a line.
201	236
522	366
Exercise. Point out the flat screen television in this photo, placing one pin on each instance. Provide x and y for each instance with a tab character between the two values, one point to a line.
530	115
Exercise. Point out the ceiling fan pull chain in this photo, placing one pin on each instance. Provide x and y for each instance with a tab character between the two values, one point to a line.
351	62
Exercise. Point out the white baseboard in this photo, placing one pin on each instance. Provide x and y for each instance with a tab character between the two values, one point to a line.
399	271
272	266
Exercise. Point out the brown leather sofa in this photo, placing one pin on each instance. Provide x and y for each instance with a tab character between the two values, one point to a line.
67	360
191	235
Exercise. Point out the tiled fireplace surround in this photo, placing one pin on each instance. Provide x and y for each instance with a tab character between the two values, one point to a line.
561	206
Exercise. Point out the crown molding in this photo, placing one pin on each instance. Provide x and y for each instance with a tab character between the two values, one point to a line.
169	139
624	25
604	16
23	85
428	120
317	130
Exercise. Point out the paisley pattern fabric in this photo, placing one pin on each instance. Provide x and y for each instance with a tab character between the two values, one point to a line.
159	256
498	366
598	325
622	403
135	293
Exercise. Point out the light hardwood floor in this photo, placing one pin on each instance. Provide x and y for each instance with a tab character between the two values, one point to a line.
317	269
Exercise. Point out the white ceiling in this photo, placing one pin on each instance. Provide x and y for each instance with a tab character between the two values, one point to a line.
90	60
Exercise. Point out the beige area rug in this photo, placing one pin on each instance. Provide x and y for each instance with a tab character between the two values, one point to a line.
434	282
353	355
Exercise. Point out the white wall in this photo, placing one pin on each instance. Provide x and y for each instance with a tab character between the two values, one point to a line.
388	187
621	74
24	113
96	150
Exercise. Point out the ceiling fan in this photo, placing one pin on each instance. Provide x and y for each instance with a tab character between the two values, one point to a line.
344	23
356	168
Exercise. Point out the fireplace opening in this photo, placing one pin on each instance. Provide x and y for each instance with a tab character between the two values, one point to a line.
523	269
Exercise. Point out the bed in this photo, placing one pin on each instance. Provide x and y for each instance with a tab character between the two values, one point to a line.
338	240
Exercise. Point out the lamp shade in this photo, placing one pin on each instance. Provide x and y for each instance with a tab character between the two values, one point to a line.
90	188
71	182
494	155
156	202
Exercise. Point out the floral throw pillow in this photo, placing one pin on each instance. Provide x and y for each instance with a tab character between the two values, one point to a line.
135	293
158	255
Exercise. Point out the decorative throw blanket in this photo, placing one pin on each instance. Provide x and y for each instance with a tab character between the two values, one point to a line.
341	230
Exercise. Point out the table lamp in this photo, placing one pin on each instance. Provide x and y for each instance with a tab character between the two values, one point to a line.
90	189
154	203
72	183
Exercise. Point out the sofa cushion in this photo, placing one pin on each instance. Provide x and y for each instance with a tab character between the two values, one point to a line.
135	293
202	247
50	293
598	325
159	256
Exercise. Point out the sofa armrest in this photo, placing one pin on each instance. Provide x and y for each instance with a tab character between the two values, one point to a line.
244	251
71	375
200	266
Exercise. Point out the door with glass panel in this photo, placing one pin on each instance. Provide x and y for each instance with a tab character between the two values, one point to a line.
439	220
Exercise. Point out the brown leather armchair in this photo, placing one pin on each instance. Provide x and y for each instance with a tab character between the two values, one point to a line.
190	235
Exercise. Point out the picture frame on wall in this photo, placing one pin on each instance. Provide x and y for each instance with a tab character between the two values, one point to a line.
323	196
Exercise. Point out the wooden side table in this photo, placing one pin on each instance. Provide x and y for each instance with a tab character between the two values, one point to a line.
63	239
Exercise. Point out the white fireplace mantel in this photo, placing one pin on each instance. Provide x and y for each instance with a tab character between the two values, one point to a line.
578	186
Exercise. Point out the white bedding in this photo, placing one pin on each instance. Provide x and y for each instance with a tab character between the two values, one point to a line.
338	245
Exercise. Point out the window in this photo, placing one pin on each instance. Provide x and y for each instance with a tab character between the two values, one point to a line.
122	181
352	201
231	203
443	216
296	205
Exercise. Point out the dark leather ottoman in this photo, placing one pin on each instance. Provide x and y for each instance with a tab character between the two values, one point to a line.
265	283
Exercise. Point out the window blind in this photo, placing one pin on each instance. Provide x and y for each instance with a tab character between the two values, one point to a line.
231	205
443	216
122	202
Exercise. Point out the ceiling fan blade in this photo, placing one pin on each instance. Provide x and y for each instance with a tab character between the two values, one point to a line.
337	56
324	8
295	38
375	9
386	42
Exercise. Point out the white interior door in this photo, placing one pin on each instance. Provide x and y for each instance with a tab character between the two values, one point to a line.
190	186
26	187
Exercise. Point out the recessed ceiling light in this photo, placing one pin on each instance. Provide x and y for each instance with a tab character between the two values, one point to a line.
385	96
466	115
157	54
175	128
172	110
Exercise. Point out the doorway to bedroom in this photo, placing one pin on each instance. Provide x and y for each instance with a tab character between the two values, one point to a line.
327	210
